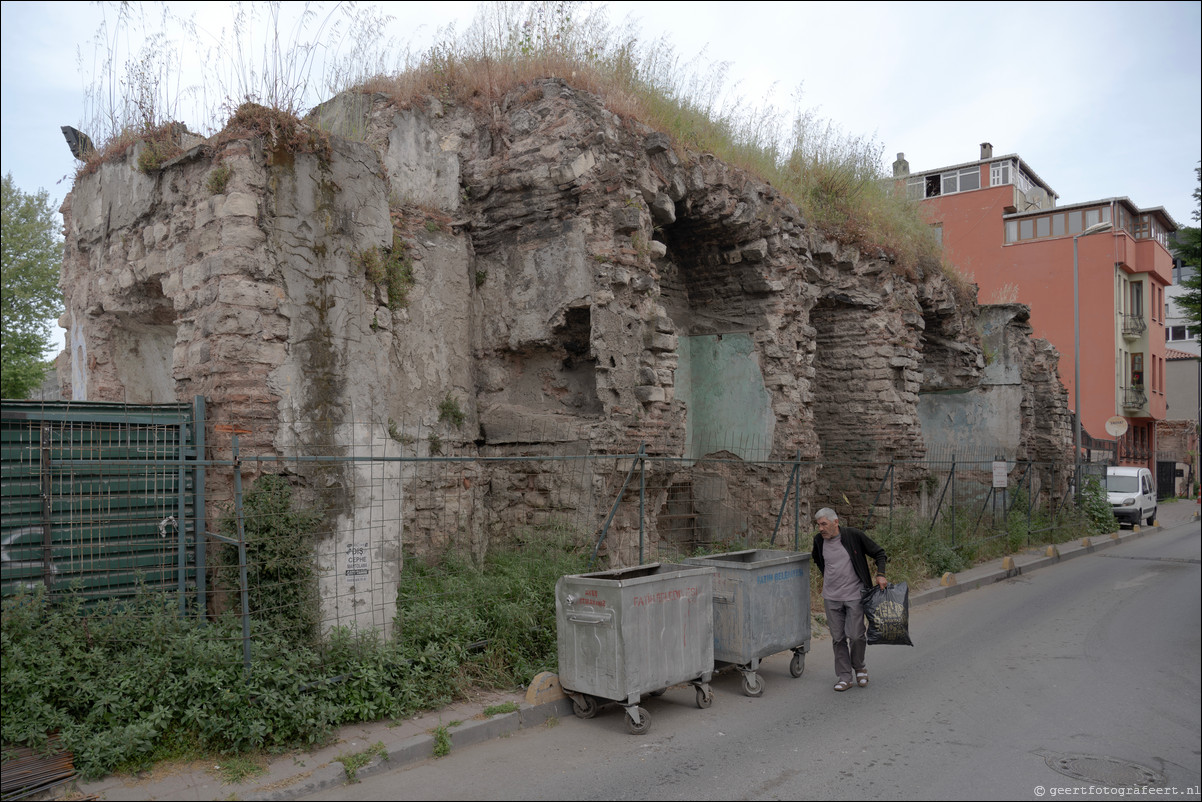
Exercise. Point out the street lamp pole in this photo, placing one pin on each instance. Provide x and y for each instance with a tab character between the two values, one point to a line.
1094	229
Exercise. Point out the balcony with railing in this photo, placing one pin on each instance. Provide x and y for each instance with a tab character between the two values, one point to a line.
1134	326
1134	398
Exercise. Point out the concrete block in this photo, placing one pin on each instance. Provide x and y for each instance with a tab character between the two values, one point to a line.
544	687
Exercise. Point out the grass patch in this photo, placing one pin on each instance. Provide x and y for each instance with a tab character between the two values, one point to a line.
504	707
353	762
236	769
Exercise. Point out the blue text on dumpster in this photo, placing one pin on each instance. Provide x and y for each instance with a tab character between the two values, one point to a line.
778	576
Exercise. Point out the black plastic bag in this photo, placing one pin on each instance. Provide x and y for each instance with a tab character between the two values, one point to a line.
888	613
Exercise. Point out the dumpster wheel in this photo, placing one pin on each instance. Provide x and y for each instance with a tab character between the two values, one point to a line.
798	664
705	697
644	722
753	686
583	705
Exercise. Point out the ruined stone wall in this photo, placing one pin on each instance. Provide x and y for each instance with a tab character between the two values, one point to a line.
575	284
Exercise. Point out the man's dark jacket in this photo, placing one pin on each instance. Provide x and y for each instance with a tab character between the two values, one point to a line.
858	545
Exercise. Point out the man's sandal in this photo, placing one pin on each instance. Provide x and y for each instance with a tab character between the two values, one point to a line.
862	678
843	685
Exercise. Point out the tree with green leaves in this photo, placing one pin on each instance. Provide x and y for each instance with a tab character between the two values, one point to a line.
1188	248
30	301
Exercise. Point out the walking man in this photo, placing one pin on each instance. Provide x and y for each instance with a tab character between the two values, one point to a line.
841	554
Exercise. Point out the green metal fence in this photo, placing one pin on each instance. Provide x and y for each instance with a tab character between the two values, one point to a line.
98	498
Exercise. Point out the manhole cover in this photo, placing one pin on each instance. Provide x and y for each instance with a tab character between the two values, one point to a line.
1104	770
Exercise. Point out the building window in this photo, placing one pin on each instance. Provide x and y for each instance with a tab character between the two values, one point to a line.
999	174
1147	227
937	232
936	184
1180	333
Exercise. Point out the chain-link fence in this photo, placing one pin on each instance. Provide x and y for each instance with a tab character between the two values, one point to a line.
332	536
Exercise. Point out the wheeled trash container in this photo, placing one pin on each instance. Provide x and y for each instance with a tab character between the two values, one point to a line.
635	631
761	607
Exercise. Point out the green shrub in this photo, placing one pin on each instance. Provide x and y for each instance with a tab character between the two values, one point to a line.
1095	508
281	577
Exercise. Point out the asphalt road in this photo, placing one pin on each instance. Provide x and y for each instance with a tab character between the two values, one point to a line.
1084	674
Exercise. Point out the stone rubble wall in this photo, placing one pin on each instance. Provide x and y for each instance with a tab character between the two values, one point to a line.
577	283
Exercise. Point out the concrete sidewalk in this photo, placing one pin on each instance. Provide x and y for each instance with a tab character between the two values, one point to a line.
396	745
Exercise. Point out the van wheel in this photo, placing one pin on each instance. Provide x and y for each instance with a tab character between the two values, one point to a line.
1152	517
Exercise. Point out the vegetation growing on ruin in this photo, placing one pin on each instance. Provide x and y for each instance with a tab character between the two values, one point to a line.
392	267
837	179
450	412
159	146
282	130
218	179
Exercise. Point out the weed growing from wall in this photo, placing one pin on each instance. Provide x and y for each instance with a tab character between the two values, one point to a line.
219	178
159	146
449	412
393	268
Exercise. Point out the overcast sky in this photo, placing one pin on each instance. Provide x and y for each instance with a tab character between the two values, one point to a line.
1100	99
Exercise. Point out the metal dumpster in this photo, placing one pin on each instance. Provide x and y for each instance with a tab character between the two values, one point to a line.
635	631
761	607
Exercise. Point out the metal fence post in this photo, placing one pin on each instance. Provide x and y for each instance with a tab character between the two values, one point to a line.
642	495
242	581
198	507
181	518
953	503
797	502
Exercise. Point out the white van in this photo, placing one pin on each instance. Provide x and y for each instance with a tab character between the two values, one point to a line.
1132	494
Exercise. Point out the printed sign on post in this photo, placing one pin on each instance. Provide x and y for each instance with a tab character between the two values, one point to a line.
357	559
1000	478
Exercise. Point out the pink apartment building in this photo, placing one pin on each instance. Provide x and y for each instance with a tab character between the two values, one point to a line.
1002	227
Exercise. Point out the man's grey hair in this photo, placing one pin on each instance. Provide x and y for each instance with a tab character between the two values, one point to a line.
826	513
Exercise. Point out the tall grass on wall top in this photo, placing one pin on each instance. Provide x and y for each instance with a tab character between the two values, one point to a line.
290	57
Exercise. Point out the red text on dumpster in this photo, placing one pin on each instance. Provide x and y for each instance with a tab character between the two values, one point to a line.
666	596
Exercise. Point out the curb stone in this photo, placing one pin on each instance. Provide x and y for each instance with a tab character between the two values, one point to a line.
417	748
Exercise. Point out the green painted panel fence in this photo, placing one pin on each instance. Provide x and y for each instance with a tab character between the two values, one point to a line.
99	498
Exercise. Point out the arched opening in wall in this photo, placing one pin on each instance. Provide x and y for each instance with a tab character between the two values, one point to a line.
143	349
865	415
716	294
